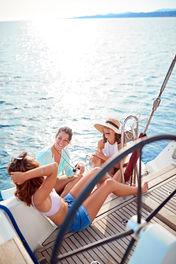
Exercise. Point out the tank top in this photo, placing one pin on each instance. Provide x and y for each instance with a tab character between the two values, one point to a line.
110	150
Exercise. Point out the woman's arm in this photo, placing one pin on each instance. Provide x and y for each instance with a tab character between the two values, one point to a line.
99	153
80	166
19	177
100	146
50	173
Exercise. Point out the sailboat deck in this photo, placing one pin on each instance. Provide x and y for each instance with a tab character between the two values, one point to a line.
112	220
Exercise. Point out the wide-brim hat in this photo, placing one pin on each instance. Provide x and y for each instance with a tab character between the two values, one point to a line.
114	124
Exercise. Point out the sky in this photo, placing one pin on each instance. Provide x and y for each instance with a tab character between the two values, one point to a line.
33	9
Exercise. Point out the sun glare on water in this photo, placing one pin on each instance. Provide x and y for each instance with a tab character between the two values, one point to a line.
66	47
65	41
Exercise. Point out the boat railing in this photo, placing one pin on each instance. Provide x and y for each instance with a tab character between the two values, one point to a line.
126	136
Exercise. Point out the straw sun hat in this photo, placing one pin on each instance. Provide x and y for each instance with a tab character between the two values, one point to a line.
112	123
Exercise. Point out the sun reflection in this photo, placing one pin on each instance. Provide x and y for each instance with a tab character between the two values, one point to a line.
69	44
71	51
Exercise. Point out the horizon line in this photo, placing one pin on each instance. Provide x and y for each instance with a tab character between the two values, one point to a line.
18	19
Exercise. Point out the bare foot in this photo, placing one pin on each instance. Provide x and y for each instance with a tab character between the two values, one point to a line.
145	187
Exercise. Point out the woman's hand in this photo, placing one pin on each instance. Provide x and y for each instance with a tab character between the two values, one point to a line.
80	166
18	177
100	155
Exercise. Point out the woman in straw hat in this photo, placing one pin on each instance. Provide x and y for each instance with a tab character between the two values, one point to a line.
109	144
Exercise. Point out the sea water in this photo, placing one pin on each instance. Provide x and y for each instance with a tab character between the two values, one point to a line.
78	72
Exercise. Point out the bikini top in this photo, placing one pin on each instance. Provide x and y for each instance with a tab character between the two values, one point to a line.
110	150
55	204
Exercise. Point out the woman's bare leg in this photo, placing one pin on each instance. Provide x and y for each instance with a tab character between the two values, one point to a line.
96	162
107	187
80	185
70	185
117	176
99	195
121	189
63	181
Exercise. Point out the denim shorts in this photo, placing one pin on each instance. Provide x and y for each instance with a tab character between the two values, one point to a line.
82	219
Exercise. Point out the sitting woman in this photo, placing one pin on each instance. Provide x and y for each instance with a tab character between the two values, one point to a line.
58	153
109	145
35	186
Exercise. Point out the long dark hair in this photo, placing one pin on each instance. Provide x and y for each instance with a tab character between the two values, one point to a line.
24	163
117	138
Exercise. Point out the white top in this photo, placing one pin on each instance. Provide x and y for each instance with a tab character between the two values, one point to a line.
110	150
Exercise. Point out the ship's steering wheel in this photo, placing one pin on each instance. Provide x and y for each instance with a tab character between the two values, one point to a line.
107	166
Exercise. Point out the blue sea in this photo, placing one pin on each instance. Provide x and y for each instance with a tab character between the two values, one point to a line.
77	72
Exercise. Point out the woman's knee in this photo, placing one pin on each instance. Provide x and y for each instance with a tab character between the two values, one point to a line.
95	161
108	182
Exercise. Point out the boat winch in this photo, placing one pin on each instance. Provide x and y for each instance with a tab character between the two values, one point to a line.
155	244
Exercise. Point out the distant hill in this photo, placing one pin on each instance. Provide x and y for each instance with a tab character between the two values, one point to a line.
157	13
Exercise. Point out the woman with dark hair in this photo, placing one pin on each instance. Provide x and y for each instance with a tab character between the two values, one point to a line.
58	153
35	186
110	143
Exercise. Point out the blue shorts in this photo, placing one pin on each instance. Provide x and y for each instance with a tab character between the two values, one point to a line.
82	219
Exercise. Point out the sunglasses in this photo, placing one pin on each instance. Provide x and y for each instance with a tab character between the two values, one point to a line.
19	159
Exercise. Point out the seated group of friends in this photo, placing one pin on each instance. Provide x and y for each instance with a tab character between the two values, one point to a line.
50	184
